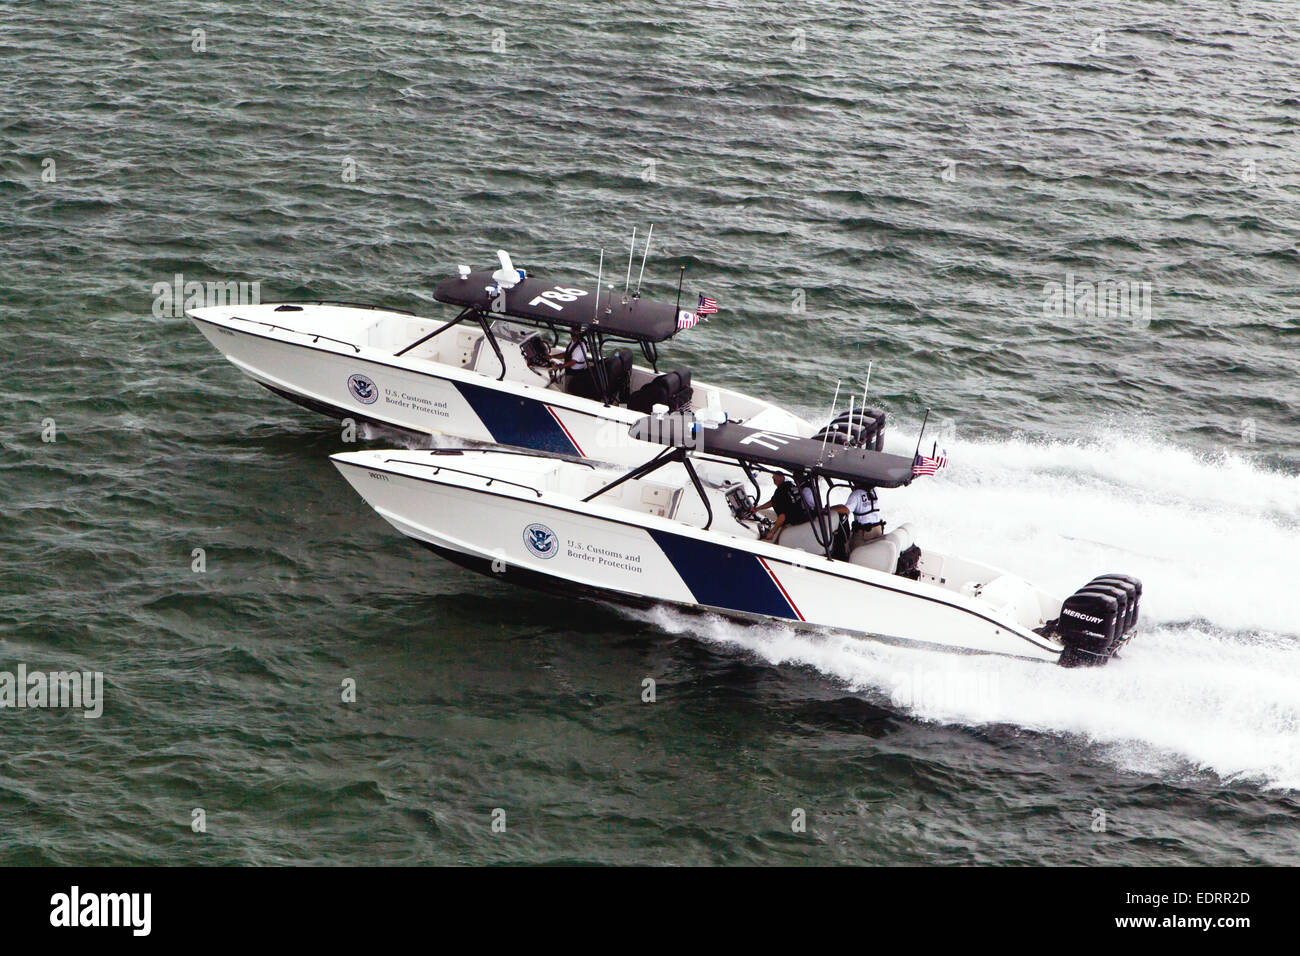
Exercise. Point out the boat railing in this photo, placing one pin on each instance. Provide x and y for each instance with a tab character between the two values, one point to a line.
521	452
352	305
314	336
460	471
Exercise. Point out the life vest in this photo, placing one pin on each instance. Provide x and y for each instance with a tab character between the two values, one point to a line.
864	507
578	353
788	502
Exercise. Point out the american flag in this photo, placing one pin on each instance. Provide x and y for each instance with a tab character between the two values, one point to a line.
707	306
924	465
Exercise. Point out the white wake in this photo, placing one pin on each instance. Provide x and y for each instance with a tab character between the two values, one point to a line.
1212	680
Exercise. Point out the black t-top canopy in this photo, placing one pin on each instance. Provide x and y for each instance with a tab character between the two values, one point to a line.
540	301
865	466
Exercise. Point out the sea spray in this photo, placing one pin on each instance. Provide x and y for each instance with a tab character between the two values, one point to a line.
1208	682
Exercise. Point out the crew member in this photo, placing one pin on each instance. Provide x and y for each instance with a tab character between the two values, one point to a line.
791	508
577	373
863	509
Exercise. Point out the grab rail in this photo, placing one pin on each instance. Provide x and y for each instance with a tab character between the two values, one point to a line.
459	471
315	336
522	452
349	305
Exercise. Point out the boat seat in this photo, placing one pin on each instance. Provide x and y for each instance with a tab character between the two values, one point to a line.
617	369
801	537
902	536
671	388
882	553
879	555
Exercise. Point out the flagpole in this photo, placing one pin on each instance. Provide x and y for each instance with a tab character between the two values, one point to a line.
920	435
681	275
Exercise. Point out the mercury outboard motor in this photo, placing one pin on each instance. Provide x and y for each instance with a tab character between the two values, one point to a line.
1097	620
1133	588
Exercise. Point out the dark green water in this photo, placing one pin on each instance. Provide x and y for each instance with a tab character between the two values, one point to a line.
920	171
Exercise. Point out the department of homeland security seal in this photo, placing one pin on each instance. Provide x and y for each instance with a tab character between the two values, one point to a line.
541	541
363	389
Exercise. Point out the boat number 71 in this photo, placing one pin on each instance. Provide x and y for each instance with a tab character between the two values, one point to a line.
553	297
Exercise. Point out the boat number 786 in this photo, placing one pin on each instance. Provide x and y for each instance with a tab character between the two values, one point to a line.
553	297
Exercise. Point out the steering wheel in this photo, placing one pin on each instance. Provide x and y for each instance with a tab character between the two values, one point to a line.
550	371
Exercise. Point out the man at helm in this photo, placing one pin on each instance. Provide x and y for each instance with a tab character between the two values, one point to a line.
791	506
577	379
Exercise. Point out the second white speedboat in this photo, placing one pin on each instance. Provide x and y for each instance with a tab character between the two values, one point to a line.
663	533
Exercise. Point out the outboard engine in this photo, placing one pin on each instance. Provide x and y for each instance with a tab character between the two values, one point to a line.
1133	590
1097	620
861	428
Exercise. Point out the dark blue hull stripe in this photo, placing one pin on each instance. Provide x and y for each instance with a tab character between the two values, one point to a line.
723	577
522	422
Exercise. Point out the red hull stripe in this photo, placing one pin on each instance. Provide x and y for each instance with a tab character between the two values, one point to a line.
581	453
781	587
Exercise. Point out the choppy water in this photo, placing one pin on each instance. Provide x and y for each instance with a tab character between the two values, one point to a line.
920	171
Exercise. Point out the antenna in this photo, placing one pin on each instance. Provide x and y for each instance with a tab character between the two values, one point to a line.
680	276
600	272
834	401
875	437
643	256
849	437
631	251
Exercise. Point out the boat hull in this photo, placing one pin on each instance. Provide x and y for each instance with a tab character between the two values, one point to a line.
327	377
514	531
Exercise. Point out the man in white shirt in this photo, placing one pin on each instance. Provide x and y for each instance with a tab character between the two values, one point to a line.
863	509
576	373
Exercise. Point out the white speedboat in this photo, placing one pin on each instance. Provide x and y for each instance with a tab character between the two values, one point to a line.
493	372
662	533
